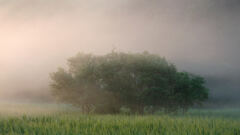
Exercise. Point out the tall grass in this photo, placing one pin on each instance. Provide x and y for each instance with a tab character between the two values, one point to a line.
117	125
62	122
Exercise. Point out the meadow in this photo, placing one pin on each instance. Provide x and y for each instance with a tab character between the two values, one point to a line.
52	119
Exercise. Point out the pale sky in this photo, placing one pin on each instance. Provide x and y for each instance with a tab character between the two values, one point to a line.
37	36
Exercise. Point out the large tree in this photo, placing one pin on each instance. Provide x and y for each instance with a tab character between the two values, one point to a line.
136	81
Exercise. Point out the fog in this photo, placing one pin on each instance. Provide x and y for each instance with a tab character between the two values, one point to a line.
37	36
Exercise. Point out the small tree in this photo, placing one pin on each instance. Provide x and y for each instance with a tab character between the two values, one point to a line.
107	83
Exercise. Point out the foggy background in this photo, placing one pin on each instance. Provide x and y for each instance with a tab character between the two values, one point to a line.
37	36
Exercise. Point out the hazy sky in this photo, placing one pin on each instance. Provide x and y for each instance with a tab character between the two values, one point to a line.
37	36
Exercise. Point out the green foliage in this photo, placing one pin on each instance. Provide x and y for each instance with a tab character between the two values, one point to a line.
106	83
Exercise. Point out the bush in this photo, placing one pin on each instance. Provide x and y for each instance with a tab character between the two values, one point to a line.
135	81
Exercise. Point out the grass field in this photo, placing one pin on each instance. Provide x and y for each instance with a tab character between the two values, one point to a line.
50	119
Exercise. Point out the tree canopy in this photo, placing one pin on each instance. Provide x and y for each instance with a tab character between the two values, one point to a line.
107	83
